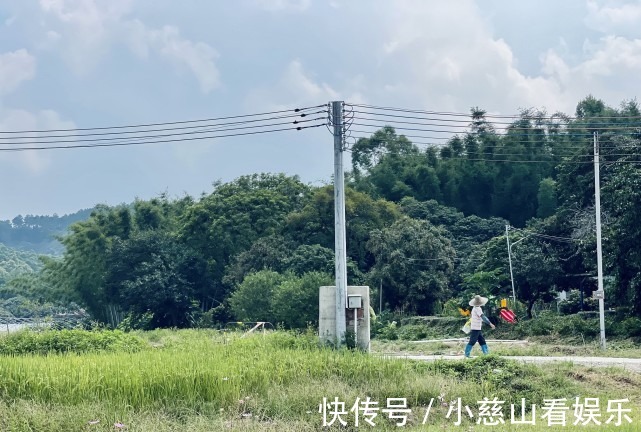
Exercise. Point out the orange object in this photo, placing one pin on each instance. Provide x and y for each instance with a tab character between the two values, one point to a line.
464	312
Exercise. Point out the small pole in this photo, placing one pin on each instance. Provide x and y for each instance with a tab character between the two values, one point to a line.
355	328
509	256
599	253
380	297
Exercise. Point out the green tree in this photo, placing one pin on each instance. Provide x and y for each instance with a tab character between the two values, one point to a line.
414	260
153	273
295	300
266	253
83	267
546	198
535	267
252	299
622	195
314	223
230	219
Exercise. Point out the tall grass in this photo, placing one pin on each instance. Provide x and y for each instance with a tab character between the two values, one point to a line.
197	378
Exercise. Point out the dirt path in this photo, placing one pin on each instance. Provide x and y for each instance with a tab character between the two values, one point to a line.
625	363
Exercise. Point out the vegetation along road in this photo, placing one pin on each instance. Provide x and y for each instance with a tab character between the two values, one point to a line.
625	363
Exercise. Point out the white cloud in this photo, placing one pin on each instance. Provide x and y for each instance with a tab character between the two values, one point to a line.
614	16
445	56
31	161
614	55
90	16
430	67
284	5
85	28
295	88
88	28
15	67
198	57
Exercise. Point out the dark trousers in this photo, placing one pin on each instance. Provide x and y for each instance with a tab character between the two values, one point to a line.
476	335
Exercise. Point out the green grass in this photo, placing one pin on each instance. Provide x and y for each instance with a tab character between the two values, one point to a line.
69	341
195	380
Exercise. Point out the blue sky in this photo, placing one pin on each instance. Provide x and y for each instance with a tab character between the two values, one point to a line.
93	63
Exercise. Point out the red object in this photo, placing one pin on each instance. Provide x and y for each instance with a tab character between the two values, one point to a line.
508	316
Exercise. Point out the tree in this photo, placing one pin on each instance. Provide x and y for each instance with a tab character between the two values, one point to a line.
83	268
153	273
414	260
295	300
623	198
266	253
535	267
546	198
314	223
252	300
230	219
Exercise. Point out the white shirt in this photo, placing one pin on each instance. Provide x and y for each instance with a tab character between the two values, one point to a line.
476	314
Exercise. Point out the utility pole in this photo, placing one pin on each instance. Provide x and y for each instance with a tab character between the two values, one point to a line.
380	297
509	256
339	223
599	253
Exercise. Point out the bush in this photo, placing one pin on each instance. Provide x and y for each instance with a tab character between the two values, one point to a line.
69	341
572	303
388	331
576	325
412	332
629	327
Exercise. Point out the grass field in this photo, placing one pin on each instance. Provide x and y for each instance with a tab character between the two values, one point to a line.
201	380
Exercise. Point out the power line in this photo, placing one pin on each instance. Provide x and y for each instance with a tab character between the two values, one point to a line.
187	130
121	132
458	114
16	149
455	132
537	127
295	110
209	130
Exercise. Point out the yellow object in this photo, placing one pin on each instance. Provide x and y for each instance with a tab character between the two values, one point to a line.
464	312
467	328
503	303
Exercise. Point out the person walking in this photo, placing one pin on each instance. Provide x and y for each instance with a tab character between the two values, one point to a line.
478	319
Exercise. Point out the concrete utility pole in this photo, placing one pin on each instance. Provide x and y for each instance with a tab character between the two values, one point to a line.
509	257
599	254
339	222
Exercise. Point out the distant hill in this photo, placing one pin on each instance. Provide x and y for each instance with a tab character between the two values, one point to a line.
37	233
15	262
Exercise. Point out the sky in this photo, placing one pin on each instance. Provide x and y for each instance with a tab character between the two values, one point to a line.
68	64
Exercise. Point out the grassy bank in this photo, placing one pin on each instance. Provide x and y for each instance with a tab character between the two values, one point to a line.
202	381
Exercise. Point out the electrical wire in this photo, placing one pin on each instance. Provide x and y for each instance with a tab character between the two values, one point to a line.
16	149
204	131
536	127
188	130
456	114
295	110
453	132
121	132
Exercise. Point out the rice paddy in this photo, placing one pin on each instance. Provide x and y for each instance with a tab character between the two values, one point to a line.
202	380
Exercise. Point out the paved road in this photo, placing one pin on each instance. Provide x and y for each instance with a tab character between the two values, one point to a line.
625	363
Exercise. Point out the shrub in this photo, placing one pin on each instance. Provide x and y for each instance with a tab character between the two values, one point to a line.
572	303
412	332
575	325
